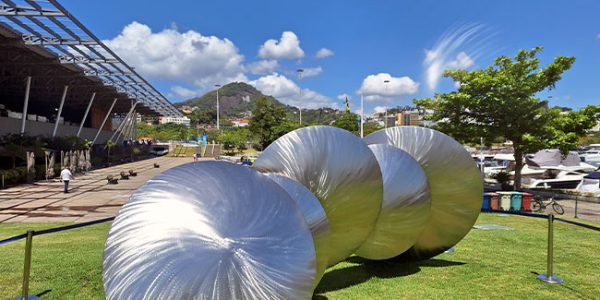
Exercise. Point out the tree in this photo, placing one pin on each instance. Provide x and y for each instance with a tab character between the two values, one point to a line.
235	140
265	116
348	121
499	101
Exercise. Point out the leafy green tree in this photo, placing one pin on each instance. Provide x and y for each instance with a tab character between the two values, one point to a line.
235	140
499	101
348	121
265	116
283	128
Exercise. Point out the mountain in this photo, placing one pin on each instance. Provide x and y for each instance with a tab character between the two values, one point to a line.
237	99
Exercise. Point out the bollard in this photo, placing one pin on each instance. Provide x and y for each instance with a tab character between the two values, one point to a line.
548	277
576	206
27	268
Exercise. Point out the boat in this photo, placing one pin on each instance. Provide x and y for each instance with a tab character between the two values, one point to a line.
591	157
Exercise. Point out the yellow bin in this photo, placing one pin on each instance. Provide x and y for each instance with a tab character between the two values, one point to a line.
505	200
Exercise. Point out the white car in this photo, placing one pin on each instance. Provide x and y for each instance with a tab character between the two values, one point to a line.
159	151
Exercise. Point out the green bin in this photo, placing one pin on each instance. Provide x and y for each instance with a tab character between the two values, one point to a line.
515	201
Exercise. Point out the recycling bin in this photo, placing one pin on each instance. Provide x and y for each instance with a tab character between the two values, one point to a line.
505	198
526	202
486	201
494	201
515	201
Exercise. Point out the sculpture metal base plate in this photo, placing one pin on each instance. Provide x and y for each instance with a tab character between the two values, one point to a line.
551	279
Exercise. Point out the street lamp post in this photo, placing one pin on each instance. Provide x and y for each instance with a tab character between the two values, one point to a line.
218	86
385	106
362	116
299	72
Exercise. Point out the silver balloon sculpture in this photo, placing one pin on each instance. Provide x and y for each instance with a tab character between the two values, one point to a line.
314	214
454	181
211	230
215	230
405	207
341	171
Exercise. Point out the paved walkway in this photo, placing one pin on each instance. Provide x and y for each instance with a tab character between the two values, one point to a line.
90	197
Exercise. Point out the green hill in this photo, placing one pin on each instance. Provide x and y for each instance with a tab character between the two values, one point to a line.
237	99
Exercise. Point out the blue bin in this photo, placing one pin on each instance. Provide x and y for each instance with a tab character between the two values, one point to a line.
486	201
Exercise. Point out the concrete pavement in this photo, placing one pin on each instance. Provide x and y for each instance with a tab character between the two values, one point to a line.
90	196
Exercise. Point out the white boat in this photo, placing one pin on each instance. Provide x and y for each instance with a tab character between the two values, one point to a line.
555	178
591	157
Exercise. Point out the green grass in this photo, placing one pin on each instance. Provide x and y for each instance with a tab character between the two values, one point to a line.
486	264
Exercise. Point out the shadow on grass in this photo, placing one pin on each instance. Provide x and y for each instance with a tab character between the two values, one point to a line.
367	269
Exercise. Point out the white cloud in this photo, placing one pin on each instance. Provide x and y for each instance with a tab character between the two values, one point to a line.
375	88
448	52
183	93
462	61
186	56
379	109
263	66
323	53
310	72
288	47
288	92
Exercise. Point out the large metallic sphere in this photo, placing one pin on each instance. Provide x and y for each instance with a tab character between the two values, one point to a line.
314	214
454	181
405	207
209	230
338	168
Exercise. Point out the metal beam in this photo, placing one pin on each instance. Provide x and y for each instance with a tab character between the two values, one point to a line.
62	103
122	123
32	39
86	113
104	122
7	10
25	104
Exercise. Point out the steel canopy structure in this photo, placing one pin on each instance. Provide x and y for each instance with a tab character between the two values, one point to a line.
43	45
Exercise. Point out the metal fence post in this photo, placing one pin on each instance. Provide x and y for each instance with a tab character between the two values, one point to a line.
548	277
576	198
27	268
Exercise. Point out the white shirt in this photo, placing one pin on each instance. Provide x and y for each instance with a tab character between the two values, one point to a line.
66	175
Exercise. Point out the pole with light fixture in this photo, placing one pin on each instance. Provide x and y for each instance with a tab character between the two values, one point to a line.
218	86
300	72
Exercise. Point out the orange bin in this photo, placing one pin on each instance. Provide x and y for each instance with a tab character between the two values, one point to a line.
494	202
526	204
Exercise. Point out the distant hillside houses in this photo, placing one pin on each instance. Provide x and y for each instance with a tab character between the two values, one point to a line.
177	120
239	122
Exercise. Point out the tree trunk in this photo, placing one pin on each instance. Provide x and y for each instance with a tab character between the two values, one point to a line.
518	167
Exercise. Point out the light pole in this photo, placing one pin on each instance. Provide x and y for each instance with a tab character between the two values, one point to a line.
385	106
362	116
218	86
299	72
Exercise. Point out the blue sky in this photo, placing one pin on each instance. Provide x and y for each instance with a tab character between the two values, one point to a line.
185	47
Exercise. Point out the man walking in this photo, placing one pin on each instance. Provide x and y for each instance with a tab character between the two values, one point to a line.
65	176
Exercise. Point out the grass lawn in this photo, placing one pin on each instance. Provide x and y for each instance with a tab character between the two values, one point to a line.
487	264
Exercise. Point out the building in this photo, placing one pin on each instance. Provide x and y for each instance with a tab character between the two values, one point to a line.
58	82
177	120
408	118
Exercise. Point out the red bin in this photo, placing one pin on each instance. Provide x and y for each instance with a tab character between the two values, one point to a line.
494	202
526	204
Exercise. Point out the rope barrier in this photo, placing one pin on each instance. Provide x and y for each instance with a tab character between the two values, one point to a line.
57	229
540	216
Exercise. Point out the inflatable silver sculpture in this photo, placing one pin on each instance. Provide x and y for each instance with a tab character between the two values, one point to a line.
213	230
210	230
405	207
314	214
338	168
454	181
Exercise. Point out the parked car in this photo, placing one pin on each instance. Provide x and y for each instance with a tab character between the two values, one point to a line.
159	151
